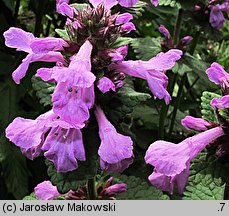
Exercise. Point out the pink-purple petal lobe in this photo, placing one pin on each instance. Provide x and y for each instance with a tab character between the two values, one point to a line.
64	148
69	105
217	74
105	85
19	39
116	150
46	191
220	103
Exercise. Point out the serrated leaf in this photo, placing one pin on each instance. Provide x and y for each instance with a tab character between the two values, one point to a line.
205	180
138	189
86	170
207	111
146	48
43	90
62	33
32	196
122	41
122	103
138	9
171	3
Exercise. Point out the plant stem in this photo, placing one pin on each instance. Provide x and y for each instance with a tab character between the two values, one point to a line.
194	42
164	109
39	16
91	189
177	103
16	10
176	32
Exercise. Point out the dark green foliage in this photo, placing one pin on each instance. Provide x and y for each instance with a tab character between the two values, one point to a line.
206	179
43	90
208	112
139	189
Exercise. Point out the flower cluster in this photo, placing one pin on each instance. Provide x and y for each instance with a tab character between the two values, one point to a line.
46	191
172	161
94	66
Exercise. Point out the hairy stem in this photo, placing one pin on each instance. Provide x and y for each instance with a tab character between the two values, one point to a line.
91	189
164	109
177	28
39	17
177	103
194	42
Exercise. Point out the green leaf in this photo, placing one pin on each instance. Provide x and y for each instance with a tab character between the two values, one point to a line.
146	48
198	66
208	112
122	41
32	196
171	3
205	180
138	189
138	9
79	6
122	103
43	90
9	4
62	33
14	169
87	169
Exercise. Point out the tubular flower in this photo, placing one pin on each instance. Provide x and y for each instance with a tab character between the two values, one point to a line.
116	150
74	94
152	71
38	49
172	161
63	144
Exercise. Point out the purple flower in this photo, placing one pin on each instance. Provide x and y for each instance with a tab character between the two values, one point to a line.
123	20
110	3
39	49
218	75
73	104
197	124
74	94
105	85
116	150
119	54
154	2
152	71
46	191
216	17
63	147
220	103
172	161
63	8
63	143
115	189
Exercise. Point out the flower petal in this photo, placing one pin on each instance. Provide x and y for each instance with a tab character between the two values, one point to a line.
64	148
17	38
46	191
